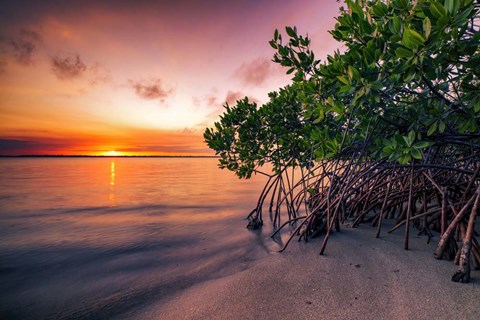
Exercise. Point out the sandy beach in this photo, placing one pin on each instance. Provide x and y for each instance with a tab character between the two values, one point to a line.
360	277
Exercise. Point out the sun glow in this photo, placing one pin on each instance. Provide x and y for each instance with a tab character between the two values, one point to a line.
113	153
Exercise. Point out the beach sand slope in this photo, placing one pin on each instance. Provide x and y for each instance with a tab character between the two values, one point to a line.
360	277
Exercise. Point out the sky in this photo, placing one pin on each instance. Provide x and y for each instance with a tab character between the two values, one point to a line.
139	77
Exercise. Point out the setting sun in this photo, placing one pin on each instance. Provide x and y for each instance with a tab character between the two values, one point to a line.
113	153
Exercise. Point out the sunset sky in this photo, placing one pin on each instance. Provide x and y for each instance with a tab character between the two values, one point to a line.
138	77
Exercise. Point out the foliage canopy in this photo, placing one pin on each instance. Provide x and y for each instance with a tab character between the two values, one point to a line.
408	79
399	100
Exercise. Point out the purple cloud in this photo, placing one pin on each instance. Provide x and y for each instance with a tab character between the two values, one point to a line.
20	47
151	89
255	72
233	96
68	68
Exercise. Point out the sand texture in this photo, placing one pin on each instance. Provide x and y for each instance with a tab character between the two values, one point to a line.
360	277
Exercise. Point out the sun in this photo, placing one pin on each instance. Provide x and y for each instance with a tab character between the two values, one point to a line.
113	153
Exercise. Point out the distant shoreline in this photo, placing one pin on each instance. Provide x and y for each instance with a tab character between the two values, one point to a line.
91	156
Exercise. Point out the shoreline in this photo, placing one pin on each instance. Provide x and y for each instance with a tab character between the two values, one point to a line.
360	277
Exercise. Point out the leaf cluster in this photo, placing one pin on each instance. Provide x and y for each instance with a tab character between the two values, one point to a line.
410	70
407	79
248	136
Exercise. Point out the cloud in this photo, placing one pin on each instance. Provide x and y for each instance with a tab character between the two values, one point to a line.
233	96
255	72
20	47
68	67
23	51
73	67
24	46
216	106
31	146
153	89
211	100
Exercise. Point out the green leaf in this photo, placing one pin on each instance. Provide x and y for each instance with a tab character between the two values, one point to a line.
353	73
412	39
343	80
427	27
432	129
397	24
421	145
360	94
380	9
468	126
395	38
410	74
441	126
476	107
330	102
416	154
400	140
405	159
437	10
403	52
318	120
376	85
369	54
401	4
452	6
390	143
442	22
356	10
410	138
347	89
291	32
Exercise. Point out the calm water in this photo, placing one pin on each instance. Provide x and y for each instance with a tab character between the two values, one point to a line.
96	238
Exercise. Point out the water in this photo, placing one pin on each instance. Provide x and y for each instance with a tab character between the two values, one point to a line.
100	238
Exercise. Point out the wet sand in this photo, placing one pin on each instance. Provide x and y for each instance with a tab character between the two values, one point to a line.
360	277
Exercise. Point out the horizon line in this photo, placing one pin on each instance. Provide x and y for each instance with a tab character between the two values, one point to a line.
101	156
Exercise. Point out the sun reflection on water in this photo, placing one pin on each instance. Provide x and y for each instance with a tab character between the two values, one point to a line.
112	184
112	173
